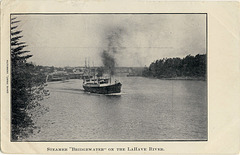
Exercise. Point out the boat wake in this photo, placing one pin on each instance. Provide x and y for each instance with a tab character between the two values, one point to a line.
96	94
115	94
71	89
82	91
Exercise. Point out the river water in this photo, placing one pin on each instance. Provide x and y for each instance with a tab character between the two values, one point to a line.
147	109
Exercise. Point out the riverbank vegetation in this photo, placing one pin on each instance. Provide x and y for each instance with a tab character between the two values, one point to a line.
27	86
187	68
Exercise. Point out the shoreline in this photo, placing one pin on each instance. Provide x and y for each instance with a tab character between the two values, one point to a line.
181	78
185	78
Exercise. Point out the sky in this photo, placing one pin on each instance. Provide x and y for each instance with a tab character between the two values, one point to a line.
69	39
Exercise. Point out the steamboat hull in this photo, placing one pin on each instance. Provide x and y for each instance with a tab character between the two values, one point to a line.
109	89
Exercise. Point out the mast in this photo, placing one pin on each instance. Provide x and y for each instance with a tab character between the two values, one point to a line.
89	70
94	72
85	71
110	75
88	63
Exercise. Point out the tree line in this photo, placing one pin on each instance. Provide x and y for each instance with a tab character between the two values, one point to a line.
187	67
27	86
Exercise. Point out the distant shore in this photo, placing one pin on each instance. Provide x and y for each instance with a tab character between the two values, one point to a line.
185	78
182	78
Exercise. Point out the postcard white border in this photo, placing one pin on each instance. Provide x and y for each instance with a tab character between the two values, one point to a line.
223	73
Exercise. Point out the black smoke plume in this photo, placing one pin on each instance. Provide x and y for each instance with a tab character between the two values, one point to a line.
114	39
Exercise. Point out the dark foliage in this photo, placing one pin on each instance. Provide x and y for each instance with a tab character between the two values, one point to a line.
190	66
27	86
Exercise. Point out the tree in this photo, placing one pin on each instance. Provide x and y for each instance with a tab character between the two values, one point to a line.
27	86
189	66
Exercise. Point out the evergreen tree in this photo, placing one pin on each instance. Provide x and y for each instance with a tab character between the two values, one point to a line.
27	86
